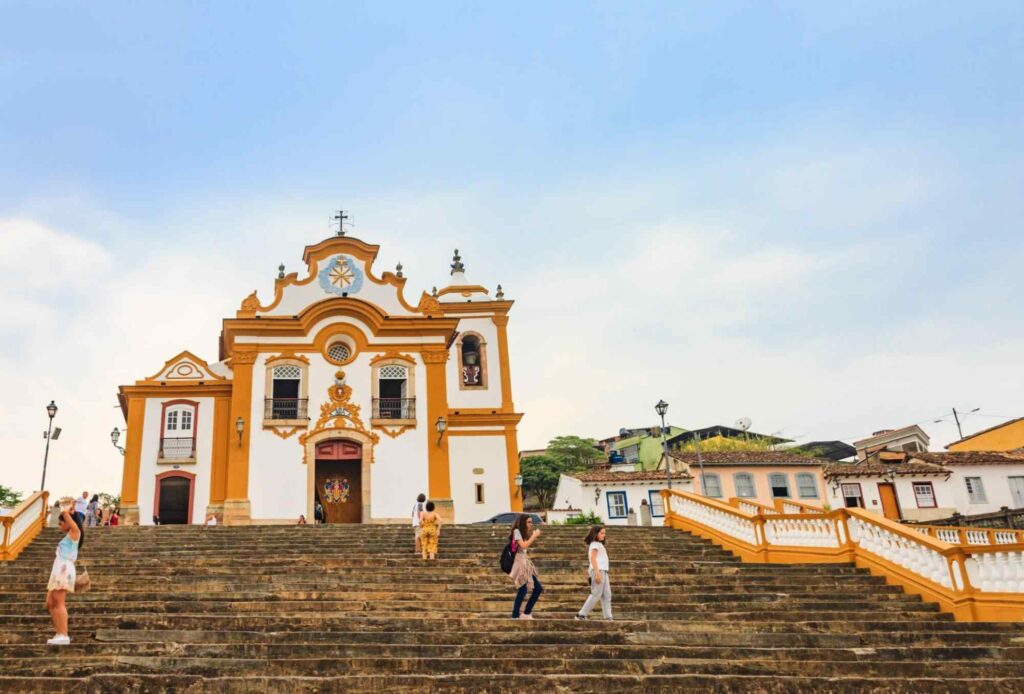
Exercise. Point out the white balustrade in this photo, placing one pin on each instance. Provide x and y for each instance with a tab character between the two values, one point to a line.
1006	537
997	572
723	521
977	537
909	554
950	535
749	507
801	532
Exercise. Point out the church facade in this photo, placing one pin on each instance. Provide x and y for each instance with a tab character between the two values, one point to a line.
337	392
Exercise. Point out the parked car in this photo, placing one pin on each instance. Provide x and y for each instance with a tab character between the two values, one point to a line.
507	518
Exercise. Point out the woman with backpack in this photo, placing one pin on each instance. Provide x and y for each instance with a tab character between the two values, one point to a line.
597	569
62	576
523	571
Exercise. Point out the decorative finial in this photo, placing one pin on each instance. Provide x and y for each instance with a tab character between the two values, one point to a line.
433	292
398	269
341	217
280	271
500	294
457	265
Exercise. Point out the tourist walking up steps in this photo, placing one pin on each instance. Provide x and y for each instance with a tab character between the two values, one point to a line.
92	511
523	571
417	509
597	568
430	530
62	576
81	504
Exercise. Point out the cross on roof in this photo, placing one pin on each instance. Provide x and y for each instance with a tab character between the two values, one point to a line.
340	217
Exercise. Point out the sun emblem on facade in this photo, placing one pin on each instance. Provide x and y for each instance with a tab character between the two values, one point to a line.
341	276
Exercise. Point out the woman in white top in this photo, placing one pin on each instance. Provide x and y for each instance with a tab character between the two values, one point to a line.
62	576
600	586
523	572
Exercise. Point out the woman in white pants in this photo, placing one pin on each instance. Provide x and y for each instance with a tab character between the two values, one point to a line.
600	586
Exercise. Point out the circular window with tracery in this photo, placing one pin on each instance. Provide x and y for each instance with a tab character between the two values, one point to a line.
339	352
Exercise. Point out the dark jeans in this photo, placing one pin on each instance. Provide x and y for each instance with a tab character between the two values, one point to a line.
537	590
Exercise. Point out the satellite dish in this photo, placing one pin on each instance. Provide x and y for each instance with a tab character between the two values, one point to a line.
743	423
623	431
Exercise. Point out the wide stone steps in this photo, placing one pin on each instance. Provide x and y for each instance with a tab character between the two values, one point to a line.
351	608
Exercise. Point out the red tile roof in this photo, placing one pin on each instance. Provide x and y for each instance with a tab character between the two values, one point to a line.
971	458
872	468
635	476
749	458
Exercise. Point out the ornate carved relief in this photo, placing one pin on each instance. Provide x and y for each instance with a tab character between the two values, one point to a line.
338	413
435	355
392	355
241	358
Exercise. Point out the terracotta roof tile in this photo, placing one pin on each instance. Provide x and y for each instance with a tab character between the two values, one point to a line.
871	468
635	476
748	458
971	458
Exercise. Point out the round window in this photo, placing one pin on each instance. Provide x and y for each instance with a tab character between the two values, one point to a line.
339	352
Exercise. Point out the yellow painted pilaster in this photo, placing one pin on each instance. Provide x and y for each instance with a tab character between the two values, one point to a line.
132	460
221	439
439	472
501	322
515	494
236	501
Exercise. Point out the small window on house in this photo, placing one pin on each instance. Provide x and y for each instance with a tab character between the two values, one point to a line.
924	494
712	486
631	454
852	496
172	421
472	362
656	502
744	483
912	447
806	487
393	388
479	493
779	482
617	505
975	490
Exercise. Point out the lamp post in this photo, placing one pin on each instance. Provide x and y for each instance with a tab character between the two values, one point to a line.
51	410
115	435
240	428
441	425
661	408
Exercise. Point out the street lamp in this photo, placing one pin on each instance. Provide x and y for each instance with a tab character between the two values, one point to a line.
661	408
441	425
240	428
115	435
518	482
51	410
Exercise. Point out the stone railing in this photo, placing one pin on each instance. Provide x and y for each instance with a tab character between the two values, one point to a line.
971	536
22	524
974	576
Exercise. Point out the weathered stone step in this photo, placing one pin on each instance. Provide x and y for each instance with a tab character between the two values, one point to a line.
508	682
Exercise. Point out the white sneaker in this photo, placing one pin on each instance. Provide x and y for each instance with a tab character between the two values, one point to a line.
525	616
59	640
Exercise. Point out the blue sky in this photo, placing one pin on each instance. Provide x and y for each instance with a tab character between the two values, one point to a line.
799	212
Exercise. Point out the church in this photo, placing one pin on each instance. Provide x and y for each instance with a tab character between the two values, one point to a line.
336	391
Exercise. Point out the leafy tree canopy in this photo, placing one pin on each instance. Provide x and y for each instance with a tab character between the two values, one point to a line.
717	444
9	498
574	452
540	477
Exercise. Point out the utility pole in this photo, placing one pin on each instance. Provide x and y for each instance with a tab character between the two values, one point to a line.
956	416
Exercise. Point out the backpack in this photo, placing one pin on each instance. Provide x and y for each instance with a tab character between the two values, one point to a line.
508	556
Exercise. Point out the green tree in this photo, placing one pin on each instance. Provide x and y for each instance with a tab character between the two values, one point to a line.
108	500
574	452
540	478
9	498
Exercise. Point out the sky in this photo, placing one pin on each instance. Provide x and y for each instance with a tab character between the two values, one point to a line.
808	214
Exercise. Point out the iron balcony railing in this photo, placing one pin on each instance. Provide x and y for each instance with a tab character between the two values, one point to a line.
394	408
178	447
286	408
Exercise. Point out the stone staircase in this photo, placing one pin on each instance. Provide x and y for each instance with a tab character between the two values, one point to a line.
296	609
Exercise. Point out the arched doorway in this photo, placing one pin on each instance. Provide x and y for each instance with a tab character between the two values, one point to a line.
338	480
174	494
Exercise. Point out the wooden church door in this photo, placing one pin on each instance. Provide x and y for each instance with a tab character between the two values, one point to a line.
338	477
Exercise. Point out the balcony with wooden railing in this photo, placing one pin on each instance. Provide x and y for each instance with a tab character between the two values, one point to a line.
975	574
394	409
178	449
22	524
286	409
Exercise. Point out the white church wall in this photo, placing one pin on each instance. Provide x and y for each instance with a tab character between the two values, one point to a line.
487	454
149	466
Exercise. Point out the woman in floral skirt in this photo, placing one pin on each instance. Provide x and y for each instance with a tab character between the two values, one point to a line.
62	576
